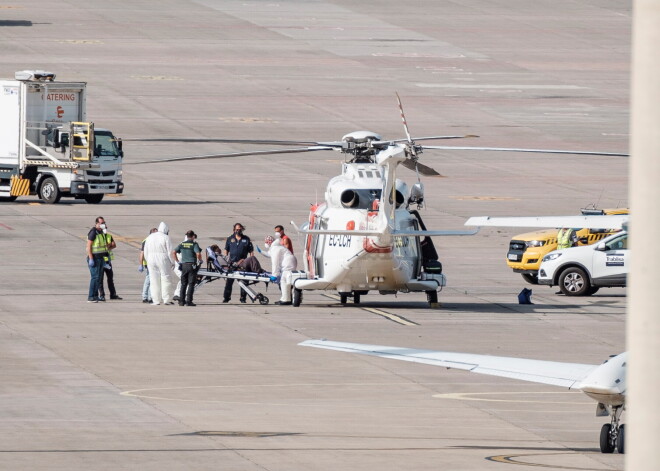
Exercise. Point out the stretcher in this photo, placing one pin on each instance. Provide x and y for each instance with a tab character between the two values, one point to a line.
218	267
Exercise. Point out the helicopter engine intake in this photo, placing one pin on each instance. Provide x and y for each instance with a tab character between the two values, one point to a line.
350	199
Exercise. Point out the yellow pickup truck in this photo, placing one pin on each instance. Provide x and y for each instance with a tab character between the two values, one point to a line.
526	251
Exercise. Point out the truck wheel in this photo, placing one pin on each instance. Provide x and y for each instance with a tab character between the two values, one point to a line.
49	192
94	199
531	279
574	282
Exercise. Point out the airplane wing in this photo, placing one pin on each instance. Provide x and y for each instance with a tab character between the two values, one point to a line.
567	375
589	222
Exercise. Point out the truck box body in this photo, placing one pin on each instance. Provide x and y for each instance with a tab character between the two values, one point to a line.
30	111
32	104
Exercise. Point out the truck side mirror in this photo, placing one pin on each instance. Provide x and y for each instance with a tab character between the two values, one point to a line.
120	147
602	247
59	140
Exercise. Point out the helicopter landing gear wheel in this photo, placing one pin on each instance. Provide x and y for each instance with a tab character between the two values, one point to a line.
262	299
297	297
343	298
432	297
356	298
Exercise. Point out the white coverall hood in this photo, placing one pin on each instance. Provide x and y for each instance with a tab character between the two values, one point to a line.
164	228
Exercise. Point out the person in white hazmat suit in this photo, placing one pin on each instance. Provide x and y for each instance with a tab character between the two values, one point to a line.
283	264
158	253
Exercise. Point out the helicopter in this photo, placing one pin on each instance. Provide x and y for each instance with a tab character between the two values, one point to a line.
367	235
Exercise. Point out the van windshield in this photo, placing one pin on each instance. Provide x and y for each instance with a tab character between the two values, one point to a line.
105	144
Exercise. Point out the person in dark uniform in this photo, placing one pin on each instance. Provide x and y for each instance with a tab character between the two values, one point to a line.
191	254
97	250
237	248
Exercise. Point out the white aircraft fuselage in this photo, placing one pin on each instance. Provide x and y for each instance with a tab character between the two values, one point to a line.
351	244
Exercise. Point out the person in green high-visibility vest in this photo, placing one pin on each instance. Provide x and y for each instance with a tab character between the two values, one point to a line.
97	250
108	272
566	237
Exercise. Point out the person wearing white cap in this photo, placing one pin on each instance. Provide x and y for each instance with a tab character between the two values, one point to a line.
158	253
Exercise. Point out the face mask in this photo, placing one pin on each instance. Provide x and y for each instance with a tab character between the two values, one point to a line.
103	228
238	232
278	235
267	246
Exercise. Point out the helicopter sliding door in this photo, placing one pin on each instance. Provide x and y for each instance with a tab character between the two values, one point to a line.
407	248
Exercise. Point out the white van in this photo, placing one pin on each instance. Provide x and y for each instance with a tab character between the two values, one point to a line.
581	271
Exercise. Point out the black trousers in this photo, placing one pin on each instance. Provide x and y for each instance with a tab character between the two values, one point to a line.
188	275
107	273
228	286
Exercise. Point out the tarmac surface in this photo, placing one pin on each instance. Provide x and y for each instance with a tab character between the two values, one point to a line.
125	385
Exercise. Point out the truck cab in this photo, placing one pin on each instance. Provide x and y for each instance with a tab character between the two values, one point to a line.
526	251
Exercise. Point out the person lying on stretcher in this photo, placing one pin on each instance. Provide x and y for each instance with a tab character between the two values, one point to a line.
215	259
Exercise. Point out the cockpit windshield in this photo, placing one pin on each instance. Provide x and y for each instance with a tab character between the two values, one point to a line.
105	144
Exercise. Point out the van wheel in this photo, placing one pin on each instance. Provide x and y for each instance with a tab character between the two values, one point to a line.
94	199
574	282
531	279
49	192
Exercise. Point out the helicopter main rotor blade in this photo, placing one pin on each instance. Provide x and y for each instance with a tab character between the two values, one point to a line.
233	154
421	168
403	119
429	138
235	141
537	151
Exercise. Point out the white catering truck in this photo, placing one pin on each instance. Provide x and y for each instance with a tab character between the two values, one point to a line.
47	148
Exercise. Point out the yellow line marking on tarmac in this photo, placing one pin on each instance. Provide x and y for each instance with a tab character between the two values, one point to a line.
386	315
392	317
511	459
469	396
34	204
132	241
